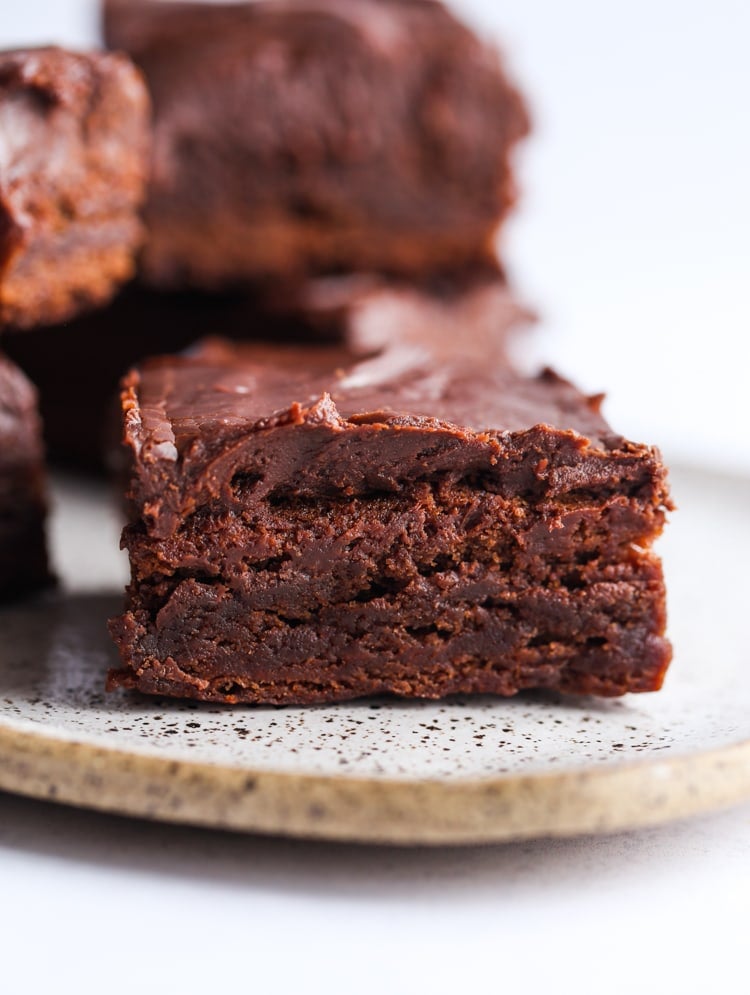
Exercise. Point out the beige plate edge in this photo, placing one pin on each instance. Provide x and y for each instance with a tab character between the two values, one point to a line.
425	812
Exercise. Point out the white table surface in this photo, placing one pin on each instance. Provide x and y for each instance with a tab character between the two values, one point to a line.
94	904
633	239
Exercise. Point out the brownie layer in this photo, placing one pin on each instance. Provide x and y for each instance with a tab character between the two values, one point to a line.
306	527
287	548
453	633
23	558
73	163
303	137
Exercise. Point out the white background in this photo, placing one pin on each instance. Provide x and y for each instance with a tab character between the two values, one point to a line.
633	240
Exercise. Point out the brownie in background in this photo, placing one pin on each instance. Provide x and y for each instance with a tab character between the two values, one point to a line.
296	138
74	145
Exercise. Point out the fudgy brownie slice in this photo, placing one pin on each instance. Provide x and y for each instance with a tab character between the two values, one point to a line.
307	526
309	136
23	557
73	163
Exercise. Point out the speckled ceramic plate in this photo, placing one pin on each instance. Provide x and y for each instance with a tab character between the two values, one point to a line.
461	771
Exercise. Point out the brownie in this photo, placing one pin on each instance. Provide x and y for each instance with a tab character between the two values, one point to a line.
77	366
23	557
306	137
310	526
74	150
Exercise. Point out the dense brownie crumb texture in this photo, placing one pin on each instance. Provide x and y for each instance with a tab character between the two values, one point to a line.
308	526
297	138
23	559
74	146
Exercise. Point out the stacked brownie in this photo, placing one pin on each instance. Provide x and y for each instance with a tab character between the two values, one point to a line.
73	160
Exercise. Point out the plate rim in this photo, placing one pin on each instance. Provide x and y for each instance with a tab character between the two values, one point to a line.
424	811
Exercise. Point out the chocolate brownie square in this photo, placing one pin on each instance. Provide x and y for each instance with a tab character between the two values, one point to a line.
73	161
23	557
315	136
310	526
